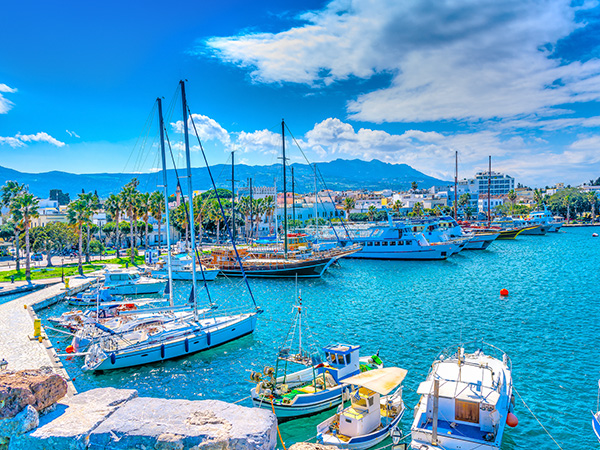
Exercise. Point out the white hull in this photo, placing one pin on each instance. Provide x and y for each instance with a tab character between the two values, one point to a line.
186	275
431	252
422	441
138	289
481	242
199	338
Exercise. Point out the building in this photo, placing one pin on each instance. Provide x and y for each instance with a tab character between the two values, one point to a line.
500	183
494	202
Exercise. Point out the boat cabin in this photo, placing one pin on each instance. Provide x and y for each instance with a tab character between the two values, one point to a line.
341	361
298	241
363	416
114	278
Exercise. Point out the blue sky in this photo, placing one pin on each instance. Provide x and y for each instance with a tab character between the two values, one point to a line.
405	82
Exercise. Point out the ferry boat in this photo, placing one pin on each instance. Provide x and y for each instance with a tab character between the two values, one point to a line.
545	219
478	239
373	413
129	282
510	223
436	233
397	241
466	401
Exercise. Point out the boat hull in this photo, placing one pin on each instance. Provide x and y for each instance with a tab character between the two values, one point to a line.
509	234
302	269
186	275
202	339
137	289
481	242
322	402
536	230
596	424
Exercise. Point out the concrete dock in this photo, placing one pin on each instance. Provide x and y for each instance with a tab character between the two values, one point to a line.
17	345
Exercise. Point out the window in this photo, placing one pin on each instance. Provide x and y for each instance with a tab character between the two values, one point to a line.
400	242
377	243
371	401
348	359
369	243
466	411
393	243
384	243
340	360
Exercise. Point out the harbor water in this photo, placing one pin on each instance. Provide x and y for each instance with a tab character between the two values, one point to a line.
409	312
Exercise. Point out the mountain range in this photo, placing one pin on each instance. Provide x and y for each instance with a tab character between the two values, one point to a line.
339	174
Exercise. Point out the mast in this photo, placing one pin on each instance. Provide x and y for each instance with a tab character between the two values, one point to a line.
166	194
456	186
251	208
489	192
293	198
233	195
191	195
285	224
316	211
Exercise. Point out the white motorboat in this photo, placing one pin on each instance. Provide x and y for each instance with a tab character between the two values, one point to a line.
181	269
545	219
373	413
478	240
397	241
466	401
130	282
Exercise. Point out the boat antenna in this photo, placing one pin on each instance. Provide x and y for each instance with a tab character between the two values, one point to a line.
237	255
166	195
455	186
489	191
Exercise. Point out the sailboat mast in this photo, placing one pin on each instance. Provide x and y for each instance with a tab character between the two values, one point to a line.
233	195
489	192
251	208
316	211
166	195
456	186
293	198
285	224
191	194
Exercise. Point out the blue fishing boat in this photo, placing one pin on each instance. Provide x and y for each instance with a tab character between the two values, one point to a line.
317	387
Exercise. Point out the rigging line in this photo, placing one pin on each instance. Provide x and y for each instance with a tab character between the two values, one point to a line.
324	185
237	255
538	420
138	139
191	224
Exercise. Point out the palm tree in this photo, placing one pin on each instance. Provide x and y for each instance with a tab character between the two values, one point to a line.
144	208
9	191
27	206
538	197
269	209
201	207
114	206
414	186
78	214
91	202
512	197
157	207
349	204
417	209
397	206
129	194
371	213
464	200
592	199
214	215
566	202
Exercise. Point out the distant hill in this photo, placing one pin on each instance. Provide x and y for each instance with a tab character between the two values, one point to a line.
340	174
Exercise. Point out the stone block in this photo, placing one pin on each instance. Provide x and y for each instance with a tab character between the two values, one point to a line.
152	423
37	388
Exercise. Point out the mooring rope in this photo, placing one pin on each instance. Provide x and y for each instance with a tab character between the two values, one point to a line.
538	420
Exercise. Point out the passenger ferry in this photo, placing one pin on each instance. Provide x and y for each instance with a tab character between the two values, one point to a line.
545	219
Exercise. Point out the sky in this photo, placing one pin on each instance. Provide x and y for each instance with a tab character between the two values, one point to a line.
400	81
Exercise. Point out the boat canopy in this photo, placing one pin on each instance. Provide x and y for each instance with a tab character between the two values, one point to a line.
383	381
341	349
470	392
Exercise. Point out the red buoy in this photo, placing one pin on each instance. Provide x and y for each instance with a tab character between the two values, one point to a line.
504	292
70	349
511	420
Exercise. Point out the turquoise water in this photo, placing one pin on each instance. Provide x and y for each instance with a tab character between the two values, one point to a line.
409	311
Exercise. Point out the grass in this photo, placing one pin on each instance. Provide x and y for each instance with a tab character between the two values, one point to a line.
69	269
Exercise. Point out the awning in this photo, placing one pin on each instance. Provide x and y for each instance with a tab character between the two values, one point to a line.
382	381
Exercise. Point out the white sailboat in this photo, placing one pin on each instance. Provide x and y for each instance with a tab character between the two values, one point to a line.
183	335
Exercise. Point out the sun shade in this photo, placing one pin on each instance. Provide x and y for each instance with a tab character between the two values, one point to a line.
382	381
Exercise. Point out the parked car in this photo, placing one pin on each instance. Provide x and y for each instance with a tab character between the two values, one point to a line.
37	257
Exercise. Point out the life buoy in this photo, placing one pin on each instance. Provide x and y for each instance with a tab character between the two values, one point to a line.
396	435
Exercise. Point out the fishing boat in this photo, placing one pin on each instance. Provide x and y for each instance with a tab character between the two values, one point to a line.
317	387
181	336
372	414
130	282
526	228
466	400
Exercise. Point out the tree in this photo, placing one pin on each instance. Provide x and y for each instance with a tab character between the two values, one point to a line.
349	204
269	209
9	192
371	212
464	200
27	206
52	239
144	206
157	207
567	204
512	197
414	186
129	194
92	204
593	200
538	197
417	209
58	195
78	214
397	206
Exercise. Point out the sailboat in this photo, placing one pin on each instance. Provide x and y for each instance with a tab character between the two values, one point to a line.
295	258
182	335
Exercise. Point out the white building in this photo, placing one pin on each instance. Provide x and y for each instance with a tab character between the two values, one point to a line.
482	205
500	183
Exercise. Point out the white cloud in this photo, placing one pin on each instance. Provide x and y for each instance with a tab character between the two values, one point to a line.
262	141
447	60
72	134
20	140
5	104
208	129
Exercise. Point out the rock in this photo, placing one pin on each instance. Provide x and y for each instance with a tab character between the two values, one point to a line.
39	389
69	425
25	421
309	446
154	423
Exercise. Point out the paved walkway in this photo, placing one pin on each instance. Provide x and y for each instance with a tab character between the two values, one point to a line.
16	327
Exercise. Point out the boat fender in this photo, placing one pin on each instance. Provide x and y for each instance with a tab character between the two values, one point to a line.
162	350
489	437
396	435
186	344
113	358
511	420
208	339
268	371
259	388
